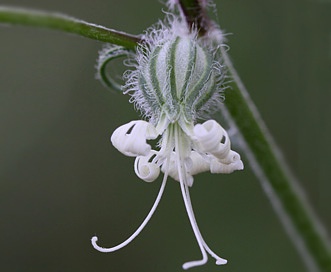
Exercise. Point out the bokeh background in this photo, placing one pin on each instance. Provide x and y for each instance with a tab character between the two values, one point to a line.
61	181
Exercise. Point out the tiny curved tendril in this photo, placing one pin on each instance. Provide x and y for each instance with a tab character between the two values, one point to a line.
94	239
108	54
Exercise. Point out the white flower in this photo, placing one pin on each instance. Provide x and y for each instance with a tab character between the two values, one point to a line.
176	81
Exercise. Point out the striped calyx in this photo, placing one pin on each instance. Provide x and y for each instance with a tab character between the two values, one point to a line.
176	79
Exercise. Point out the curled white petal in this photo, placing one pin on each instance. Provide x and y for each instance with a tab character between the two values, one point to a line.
171	167
212	138
145	169
217	167
130	139
198	165
231	157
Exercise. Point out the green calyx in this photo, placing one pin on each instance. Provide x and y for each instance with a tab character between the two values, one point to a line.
179	78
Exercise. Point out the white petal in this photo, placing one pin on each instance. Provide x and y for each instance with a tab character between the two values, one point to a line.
212	138
217	167
146	170
130	139
172	169
198	164
231	157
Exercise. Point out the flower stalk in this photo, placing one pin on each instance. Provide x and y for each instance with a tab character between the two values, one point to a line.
61	22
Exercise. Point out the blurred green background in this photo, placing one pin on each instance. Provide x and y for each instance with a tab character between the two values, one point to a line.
61	181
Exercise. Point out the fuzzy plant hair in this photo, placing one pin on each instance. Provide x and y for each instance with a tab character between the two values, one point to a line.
155	61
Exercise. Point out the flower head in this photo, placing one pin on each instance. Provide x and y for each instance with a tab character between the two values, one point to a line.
177	80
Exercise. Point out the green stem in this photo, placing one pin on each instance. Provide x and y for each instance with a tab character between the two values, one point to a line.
283	190
26	17
273	173
195	15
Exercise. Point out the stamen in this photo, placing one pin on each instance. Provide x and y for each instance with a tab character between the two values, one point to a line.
141	227
184	188
188	204
219	260
195	228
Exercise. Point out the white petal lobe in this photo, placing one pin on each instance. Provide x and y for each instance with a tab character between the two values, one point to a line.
212	138
199	164
146	170
130	139
217	167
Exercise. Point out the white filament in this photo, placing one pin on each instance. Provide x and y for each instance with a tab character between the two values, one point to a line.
219	260
189	209
141	227
183	185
